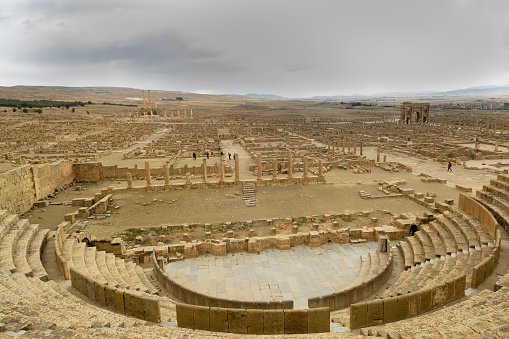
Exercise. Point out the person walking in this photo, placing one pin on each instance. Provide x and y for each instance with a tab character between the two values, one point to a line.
413	229
194	155
449	167
229	156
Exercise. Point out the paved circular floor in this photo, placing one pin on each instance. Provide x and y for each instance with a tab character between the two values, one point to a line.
299	273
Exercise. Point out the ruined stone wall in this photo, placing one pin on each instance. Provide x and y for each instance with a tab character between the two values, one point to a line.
21	187
17	193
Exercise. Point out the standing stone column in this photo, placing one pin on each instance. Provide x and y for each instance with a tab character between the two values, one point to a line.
361	149
343	150
290	166
166	176
221	172
333	151
355	147
305	175
237	169
378	154
204	170
320	170
129	181
496	146
274	169
349	145
259	167
147	174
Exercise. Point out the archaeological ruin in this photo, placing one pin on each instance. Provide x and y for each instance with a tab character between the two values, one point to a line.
190	216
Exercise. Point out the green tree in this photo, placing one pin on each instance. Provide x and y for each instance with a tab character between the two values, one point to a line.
73	110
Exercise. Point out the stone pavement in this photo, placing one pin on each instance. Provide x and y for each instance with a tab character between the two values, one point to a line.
299	273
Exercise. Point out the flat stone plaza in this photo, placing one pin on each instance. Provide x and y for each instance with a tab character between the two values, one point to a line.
296	274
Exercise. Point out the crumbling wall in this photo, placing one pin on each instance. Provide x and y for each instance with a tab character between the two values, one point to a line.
17	193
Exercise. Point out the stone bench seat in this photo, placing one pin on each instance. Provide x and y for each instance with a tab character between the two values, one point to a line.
67	249
427	245
494	199
503	185
100	258
459	238
503	177
8	220
438	245
364	270
47	303
21	250
447	239
134	284
7	245
475	225
78	256
433	270
34	254
112	267
407	253
468	232
92	267
485	312
417	249
141	274
501	193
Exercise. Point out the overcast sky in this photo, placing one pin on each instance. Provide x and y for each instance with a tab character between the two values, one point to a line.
290	48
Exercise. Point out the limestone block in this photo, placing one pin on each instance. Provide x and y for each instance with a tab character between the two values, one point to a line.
459	286
100	294
375	312
425	305
218	319
185	316
255	321
439	296
339	300
151	309
109	292
119	301
133	304
358	315
414	304
319	320
237	321
273	322
90	288
296	321
201	318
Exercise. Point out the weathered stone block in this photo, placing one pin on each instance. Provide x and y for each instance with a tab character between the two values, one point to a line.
119	301
218	319
237	321
375	312
201	318
296	321
273	322
151	309
319	320
255	321
185	316
133	304
358	315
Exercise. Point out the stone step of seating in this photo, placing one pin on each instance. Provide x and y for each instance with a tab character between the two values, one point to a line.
417	249
78	257
6	223
432	270
48	305
34	254
475	225
20	255
407	253
100	258
92	267
133	276
122	270
503	177
497	191
112	267
447	239
459	238
465	229
7	245
140	271
481	316
504	185
437	243
495	200
427	245
67	249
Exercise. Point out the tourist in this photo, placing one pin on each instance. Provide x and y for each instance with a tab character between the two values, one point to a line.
413	229
194	155
449	167
229	156
207	155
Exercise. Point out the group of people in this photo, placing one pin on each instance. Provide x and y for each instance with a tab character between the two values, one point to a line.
208	155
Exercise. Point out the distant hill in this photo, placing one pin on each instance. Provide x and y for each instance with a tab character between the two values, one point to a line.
264	96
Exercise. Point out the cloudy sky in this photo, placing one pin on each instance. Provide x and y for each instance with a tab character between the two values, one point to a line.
285	47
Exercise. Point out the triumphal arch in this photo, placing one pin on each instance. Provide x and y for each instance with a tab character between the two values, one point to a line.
415	112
